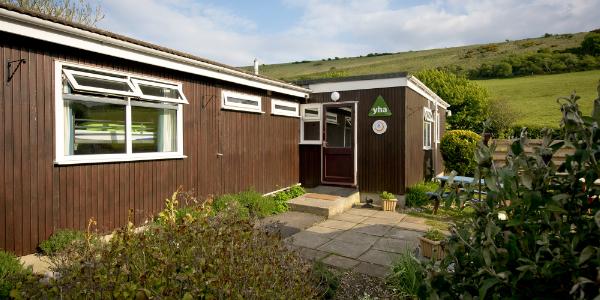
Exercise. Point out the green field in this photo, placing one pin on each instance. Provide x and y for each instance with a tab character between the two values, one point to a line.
467	57
534	97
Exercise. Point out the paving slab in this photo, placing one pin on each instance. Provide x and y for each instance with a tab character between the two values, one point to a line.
343	248
348	218
403	234
383	221
327	232
394	245
372	229
379	257
340	262
288	223
361	212
337	224
311	254
389	215
372	269
308	239
357	238
413	226
417	220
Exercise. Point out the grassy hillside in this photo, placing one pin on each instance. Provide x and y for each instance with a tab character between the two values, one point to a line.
467	57
534	97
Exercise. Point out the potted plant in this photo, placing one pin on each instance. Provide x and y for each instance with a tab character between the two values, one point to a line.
432	244
389	201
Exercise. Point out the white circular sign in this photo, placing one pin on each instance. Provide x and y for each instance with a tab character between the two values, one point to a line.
379	126
335	96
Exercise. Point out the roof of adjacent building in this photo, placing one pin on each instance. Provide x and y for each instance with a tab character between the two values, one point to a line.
353	78
12	14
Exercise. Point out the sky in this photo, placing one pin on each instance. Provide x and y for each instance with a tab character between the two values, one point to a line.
277	31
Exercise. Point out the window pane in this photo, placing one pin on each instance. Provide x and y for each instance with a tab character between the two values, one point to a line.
150	90
283	107
94	128
311	113
312	131
101	83
242	101
153	129
338	129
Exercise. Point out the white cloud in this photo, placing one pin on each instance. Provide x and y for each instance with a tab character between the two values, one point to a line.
330	28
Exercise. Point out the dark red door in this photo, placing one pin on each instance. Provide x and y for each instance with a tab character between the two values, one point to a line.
338	144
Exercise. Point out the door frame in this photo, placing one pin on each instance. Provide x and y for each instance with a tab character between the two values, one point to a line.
355	142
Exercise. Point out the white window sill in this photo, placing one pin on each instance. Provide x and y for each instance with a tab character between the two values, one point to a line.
311	143
426	148
242	110
75	160
284	115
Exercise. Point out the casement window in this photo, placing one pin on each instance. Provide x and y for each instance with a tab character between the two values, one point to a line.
242	102
427	127
310	124
105	116
284	108
437	127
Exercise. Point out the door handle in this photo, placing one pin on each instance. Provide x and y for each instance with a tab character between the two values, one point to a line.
219	155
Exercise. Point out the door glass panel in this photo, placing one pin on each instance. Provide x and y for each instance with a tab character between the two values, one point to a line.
339	127
312	131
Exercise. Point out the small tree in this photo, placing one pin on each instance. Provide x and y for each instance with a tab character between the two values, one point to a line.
501	118
468	99
591	44
78	11
458	151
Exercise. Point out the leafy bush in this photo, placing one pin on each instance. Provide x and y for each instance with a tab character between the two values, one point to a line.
406	276
591	44
11	269
328	281
254	204
501	117
60	240
434	235
468	99
213	257
533	132
416	195
458	151
537	233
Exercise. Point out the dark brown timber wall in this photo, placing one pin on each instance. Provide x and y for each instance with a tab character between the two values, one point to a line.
37	197
380	157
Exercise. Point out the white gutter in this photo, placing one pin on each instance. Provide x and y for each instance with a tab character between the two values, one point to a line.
29	26
421	87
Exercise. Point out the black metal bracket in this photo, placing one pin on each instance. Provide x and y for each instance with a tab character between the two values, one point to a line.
205	103
12	73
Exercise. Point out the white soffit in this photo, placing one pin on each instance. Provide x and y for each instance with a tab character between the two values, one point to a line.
25	25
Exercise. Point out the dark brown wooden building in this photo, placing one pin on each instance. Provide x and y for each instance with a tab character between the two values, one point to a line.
93	124
376	132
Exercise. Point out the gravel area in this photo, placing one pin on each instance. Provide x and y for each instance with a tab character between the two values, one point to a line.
355	285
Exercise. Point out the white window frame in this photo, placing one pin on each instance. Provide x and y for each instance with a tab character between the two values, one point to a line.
311	119
283	112
228	105
427	128
76	86
177	86
437	127
63	159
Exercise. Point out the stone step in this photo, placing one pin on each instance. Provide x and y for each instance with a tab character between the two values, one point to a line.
327	201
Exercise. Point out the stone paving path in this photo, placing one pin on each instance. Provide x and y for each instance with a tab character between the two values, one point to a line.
365	240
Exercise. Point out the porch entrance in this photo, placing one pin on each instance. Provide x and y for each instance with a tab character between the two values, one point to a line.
339	144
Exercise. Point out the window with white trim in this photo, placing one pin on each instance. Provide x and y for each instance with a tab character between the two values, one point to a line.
427	127
242	102
310	124
332	118
437	127
105	116
284	108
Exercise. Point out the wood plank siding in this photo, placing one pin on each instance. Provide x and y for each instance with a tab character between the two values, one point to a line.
380	157
37	197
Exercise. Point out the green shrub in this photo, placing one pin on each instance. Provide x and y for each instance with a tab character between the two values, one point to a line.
434	235
537	233
295	191
458	151
406	276
211	257
11	269
60	240
416	195
254	204
328	281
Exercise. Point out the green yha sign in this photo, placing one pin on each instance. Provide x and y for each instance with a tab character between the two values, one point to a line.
380	108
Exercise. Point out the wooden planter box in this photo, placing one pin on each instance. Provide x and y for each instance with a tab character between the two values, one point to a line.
389	205
432	249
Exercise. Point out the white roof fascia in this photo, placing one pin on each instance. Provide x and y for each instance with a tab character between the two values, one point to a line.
324	87
419	87
29	26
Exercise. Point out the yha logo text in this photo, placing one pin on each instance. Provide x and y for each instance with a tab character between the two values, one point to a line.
377	110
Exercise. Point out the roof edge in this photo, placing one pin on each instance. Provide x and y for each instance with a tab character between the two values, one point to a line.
22	22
